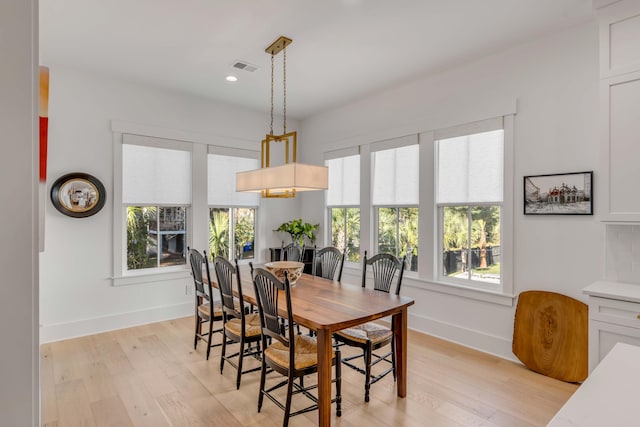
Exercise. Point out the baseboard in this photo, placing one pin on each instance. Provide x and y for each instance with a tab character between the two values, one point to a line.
79	328
478	340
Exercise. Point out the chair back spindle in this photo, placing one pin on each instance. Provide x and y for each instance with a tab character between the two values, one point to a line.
268	290
225	272
384	268
291	252
327	261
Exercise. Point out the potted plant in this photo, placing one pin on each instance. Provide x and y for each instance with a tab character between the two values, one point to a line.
299	230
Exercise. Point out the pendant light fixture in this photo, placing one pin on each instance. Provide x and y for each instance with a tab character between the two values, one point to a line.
287	179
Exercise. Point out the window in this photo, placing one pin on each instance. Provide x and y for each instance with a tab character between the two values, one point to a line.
343	201
394	180
469	196
156	196
232	215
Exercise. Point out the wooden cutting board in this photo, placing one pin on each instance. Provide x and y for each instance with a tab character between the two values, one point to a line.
550	335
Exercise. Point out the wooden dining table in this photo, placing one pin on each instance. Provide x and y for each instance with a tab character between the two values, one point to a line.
327	306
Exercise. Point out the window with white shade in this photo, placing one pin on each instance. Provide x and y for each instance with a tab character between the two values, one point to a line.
343	202
469	198
451	187
395	198
232	215
156	196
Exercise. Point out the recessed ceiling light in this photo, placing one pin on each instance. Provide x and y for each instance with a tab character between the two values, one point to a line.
231	78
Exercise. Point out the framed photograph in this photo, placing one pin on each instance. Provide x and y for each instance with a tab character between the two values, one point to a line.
78	195
559	194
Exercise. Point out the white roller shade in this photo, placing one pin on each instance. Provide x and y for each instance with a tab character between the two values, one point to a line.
470	168
395	176
222	181
153	176
344	181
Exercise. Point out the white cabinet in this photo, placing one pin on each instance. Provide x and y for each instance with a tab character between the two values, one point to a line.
614	316
620	111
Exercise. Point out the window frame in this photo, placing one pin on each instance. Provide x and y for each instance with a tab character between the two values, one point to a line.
429	231
338	154
197	213
121	275
506	214
392	144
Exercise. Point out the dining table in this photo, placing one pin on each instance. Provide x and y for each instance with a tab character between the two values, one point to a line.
327	306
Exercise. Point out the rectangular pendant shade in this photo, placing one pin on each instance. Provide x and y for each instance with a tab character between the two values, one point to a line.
283	178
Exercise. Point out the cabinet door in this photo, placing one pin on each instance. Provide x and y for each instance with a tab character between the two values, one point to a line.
603	336
621	147
619	35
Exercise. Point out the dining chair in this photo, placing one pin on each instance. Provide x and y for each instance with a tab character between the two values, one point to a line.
371	336
291	252
207	309
326	261
290	355
239	326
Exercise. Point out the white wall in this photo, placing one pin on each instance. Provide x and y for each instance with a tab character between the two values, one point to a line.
77	296
555	83
19	357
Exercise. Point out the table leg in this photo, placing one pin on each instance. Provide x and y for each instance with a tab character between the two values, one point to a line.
400	332
324	377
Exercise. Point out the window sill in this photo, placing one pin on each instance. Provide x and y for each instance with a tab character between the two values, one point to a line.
139	278
486	295
456	289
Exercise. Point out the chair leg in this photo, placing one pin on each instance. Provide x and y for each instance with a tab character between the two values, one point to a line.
338	383
287	406
195	336
209	337
240	358
367	367
262	381
224	350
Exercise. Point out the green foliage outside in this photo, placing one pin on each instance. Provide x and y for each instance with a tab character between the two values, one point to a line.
138	239
219	233
485	227
484	232
398	231
345	231
244	232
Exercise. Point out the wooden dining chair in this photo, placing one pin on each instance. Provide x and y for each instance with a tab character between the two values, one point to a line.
371	336
326	261
290	354
239	326
207	310
291	252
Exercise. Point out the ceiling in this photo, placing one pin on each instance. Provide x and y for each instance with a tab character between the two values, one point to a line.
342	49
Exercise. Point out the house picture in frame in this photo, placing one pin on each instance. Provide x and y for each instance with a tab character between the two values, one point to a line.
559	194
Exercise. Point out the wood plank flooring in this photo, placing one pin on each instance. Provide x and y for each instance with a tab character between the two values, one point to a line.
150	375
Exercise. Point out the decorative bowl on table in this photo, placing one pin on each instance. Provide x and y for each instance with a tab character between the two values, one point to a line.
293	269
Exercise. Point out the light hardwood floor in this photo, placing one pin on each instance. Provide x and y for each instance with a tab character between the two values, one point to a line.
150	376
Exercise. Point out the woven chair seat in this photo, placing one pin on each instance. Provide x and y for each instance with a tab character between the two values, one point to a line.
251	326
205	309
369	331
306	352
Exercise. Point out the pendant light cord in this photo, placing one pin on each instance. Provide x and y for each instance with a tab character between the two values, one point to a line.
284	90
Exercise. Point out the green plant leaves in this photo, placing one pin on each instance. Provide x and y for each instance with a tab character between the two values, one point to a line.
299	230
